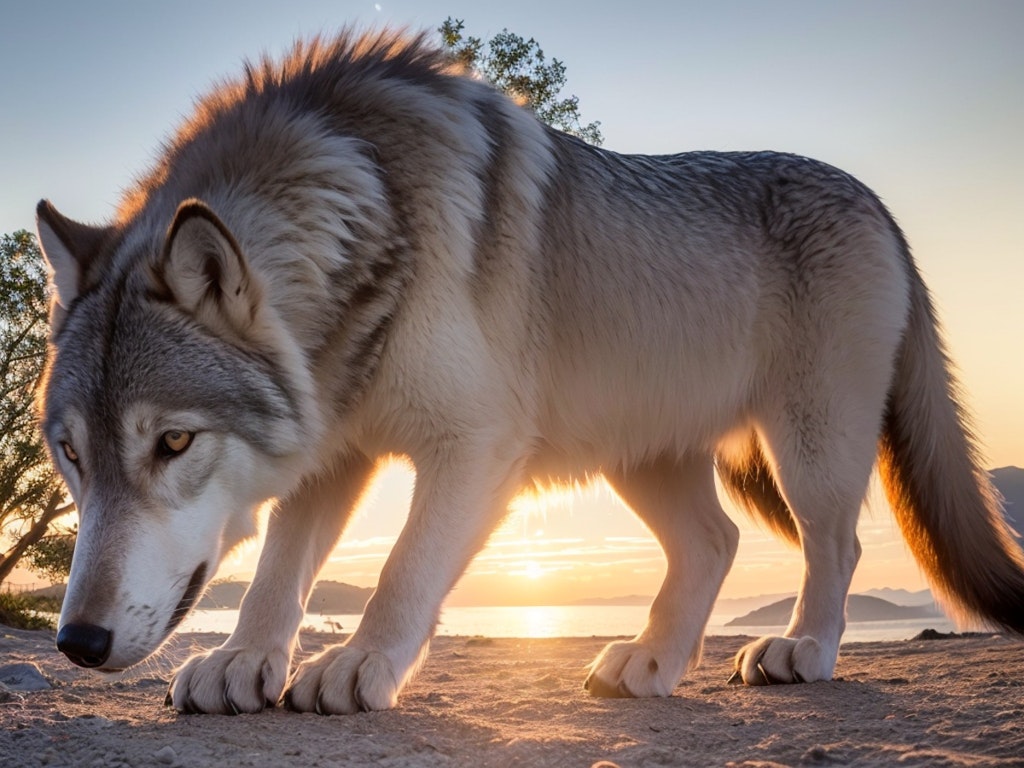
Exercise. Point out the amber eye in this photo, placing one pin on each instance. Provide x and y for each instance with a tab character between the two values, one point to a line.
69	452
173	443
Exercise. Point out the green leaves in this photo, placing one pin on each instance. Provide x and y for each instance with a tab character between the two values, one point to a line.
50	557
28	482
519	68
25	472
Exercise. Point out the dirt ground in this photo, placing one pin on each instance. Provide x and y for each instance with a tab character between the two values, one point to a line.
504	702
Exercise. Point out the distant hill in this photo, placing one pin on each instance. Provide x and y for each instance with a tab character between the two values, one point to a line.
858	608
621	600
338	597
331	597
737	606
903	596
222	594
1010	482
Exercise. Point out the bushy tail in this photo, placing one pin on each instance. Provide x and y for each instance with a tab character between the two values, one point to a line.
948	510
748	480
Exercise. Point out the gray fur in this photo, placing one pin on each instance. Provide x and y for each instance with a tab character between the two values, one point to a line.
362	251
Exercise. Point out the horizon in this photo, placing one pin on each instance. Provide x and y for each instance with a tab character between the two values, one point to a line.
509	586
621	600
921	101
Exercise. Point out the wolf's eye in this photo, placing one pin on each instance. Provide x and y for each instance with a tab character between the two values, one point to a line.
173	443
69	452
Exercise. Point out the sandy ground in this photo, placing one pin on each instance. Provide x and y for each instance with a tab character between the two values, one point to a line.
483	702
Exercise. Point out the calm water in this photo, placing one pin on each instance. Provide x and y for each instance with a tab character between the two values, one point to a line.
565	621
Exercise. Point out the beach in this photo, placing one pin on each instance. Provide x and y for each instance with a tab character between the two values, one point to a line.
520	702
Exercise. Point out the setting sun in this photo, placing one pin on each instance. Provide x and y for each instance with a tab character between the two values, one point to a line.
533	570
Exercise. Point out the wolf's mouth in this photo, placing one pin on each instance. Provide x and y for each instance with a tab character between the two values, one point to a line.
188	599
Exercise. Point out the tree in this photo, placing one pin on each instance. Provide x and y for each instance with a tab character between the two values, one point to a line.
519	68
32	495
50	557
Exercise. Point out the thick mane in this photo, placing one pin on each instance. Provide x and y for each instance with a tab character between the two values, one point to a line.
312	75
384	55
317	68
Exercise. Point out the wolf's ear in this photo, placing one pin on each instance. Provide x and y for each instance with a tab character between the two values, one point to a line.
204	270
69	248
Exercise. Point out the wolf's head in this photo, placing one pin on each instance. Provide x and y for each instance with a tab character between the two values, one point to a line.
173	406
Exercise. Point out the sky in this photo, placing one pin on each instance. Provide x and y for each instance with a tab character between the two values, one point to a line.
923	100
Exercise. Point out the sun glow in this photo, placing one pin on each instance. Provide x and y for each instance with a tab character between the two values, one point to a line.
534	504
533	570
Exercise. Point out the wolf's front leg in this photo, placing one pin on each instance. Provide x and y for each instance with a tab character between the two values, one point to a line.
459	499
249	671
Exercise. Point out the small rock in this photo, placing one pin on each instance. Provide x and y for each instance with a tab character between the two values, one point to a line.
165	755
933	634
94	721
23	676
819	755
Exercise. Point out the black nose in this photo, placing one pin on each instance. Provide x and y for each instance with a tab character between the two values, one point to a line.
85	644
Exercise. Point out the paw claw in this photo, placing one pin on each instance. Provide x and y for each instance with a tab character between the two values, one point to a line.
230	705
229	681
360	701
632	670
343	680
783	660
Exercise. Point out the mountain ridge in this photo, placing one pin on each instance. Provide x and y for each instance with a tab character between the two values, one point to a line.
330	597
858	608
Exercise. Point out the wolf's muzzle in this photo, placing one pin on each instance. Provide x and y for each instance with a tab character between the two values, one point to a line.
85	644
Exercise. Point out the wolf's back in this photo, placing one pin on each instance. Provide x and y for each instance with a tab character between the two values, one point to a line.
946	506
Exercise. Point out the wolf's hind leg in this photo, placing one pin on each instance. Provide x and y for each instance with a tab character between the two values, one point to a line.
249	671
678	503
824	492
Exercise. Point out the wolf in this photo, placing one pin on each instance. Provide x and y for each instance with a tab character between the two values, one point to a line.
361	250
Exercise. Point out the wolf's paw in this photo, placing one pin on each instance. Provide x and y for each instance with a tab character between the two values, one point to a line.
343	680
631	669
229	681
774	660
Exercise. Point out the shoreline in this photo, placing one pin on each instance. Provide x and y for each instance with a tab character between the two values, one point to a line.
568	621
520	702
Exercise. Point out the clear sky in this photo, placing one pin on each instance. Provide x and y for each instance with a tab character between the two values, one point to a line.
921	99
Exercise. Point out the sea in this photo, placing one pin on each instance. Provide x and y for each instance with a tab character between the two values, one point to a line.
565	621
